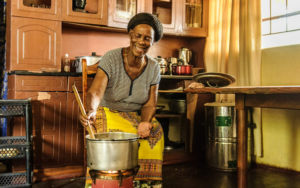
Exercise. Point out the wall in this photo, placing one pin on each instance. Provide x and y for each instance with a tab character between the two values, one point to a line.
281	128
81	42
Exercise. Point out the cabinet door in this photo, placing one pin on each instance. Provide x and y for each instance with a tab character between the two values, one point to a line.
49	10
121	11
195	18
49	117
34	44
70	14
165	12
74	134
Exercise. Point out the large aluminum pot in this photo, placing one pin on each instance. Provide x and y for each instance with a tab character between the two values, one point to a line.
112	151
90	60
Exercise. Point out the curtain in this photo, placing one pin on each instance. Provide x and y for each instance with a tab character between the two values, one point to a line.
234	46
3	73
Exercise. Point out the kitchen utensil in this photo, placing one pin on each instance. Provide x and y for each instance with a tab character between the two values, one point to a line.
214	79
88	128
112	151
188	69
162	61
180	70
78	4
164	70
172	62
178	106
185	54
159	108
90	60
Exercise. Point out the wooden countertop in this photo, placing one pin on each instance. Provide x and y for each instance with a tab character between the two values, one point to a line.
247	90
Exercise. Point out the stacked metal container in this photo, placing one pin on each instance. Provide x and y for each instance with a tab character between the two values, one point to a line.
221	136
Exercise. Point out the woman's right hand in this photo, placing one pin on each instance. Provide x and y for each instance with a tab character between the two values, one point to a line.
90	117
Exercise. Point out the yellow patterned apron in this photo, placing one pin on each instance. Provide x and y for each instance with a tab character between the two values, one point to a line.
151	148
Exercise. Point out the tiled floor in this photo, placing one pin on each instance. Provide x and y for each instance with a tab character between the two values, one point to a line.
197	175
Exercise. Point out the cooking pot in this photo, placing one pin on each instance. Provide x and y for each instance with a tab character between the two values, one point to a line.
178	106
90	60
161	61
112	151
164	70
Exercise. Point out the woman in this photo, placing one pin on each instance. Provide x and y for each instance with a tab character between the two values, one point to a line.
126	83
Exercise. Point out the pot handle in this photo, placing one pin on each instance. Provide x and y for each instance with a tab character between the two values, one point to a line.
75	63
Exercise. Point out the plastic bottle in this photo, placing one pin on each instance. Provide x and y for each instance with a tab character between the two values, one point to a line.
66	63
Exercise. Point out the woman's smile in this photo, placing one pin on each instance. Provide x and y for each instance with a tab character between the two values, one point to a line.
139	50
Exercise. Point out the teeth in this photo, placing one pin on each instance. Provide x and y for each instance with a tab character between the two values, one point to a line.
139	48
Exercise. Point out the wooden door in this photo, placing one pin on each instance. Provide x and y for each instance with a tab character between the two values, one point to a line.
34	44
166	12
98	18
121	11
41	9
49	117
74	133
194	18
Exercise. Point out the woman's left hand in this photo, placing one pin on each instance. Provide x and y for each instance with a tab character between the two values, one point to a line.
144	129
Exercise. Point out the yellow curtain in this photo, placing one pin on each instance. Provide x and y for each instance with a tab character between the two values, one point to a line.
234	47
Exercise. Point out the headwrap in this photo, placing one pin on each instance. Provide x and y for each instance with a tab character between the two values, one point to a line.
149	19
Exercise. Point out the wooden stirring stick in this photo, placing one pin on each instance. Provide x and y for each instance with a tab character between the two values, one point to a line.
88	128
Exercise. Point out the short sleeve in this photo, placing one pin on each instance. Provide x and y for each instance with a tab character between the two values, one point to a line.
105	64
156	75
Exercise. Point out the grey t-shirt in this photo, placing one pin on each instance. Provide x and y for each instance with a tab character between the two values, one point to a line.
122	93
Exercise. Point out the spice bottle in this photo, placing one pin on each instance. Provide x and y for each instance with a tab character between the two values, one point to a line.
66	63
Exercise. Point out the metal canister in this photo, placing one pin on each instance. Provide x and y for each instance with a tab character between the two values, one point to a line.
221	136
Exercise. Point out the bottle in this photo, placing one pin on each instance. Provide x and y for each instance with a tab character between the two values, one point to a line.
66	63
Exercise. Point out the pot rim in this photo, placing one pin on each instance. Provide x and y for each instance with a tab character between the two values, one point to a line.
80	57
114	140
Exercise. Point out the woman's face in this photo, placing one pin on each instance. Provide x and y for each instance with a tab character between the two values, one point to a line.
141	39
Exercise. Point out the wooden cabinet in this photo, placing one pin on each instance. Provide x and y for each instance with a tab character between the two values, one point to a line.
166	12
74	154
98	18
49	10
194	20
49	116
33	44
74	133
121	11
181	17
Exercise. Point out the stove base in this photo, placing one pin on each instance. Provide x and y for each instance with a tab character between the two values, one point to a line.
126	183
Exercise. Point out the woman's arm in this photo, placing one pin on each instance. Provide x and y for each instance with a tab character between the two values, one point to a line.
94	96
148	112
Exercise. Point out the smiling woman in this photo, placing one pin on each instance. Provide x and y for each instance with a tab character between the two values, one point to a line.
123	96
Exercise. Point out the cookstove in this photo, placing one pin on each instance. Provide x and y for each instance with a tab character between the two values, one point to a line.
113	179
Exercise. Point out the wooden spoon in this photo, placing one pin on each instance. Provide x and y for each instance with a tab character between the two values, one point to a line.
88	128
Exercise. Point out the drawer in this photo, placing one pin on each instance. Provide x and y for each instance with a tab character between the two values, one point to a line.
77	81
37	83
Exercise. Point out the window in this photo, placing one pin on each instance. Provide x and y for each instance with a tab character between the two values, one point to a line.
280	22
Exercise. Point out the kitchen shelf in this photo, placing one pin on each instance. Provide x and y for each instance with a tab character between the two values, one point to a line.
177	77
168	114
170	91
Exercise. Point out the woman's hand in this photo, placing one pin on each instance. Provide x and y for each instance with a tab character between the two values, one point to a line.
144	129
90	117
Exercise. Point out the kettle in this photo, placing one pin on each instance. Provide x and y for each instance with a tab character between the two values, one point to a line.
185	54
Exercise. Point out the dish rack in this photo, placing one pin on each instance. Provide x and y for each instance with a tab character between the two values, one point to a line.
12	147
